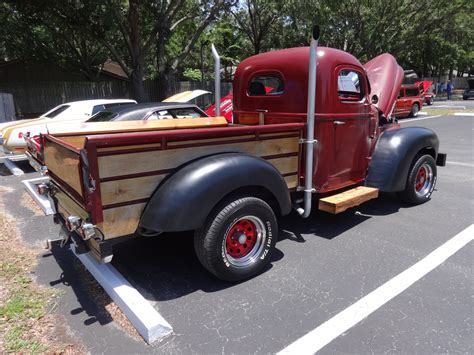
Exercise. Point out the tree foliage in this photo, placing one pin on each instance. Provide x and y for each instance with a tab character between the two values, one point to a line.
168	39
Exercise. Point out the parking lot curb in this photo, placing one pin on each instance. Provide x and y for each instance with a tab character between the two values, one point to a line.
41	200
148	322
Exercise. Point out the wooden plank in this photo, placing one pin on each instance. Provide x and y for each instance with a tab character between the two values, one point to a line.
291	181
285	165
119	191
136	146
347	199
63	163
129	189
133	163
211	140
67	206
75	141
121	221
86	128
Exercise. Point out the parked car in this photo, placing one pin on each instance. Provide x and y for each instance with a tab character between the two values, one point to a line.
186	96
149	111
409	102
426	93
469	93
12	135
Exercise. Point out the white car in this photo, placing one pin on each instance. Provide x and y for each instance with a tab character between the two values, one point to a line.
12	134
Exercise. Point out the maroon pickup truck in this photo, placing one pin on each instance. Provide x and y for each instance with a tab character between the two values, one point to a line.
309	124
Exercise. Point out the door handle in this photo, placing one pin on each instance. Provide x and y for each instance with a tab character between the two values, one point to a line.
339	123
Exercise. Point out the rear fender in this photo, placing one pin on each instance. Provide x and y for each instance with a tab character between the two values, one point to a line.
394	154
184	200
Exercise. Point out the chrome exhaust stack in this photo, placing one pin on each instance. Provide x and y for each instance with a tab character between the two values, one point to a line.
217	80
310	141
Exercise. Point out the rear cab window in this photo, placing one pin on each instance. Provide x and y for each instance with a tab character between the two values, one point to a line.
350	85
266	85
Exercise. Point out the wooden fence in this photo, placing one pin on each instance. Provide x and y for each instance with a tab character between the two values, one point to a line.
34	98
7	108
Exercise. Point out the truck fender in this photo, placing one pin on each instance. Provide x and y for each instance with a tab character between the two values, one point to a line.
394	154
184	200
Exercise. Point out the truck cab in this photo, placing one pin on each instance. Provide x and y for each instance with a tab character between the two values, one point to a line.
346	121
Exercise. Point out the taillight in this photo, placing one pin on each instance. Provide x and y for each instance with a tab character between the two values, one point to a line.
20	135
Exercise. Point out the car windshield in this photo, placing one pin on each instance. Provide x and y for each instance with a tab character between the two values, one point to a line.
103	116
57	111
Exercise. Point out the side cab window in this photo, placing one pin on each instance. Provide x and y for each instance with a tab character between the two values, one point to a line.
350	85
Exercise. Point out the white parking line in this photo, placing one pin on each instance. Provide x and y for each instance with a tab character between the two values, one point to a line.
447	106
418	119
460	163
343	321
469	114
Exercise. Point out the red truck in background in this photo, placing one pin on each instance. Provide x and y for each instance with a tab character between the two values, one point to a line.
308	124
409	102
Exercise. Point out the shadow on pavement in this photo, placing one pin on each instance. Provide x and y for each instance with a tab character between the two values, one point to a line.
92	299
166	267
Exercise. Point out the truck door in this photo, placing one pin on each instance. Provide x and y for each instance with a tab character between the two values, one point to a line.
401	103
351	126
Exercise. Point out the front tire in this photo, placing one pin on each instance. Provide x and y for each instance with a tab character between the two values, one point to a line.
414	110
430	102
421	180
238	239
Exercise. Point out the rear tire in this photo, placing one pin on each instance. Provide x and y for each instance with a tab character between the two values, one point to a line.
421	180
430	102
414	110
238	239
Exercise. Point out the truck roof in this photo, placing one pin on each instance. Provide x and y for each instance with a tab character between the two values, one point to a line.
292	65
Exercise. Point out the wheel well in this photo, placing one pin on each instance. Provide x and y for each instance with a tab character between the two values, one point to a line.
429	151
254	191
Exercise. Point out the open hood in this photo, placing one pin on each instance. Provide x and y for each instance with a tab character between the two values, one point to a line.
424	85
226	108
385	77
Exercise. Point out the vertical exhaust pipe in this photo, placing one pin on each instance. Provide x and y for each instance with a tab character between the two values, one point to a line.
310	141
217	79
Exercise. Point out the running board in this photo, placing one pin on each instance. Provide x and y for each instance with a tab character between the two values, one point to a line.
347	199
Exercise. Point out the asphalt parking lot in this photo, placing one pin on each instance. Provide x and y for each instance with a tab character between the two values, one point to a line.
322	265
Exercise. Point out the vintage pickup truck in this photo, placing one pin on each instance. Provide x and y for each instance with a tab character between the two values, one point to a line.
230	182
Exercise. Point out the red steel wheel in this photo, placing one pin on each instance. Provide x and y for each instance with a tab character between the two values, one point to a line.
244	241
241	238
424	179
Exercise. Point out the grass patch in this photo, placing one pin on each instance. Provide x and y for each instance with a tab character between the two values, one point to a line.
445	111
15	342
23	304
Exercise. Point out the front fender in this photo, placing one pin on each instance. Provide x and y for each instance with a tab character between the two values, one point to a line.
184	200
394	154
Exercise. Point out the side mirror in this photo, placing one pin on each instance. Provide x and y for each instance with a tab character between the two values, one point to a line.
375	99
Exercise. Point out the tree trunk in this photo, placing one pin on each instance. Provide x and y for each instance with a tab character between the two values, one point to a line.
165	79
137	89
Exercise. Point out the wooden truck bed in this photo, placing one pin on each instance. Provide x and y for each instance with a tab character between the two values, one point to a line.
128	167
